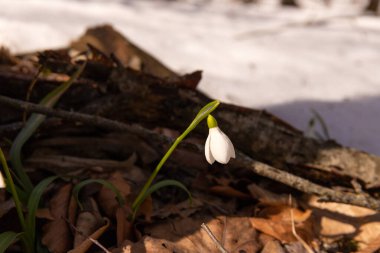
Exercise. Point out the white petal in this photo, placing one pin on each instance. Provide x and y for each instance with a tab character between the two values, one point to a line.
210	159
2	182
231	149
219	145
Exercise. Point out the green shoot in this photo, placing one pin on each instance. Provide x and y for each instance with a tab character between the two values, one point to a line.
157	186
33	202
7	239
12	188
105	183
202	114
31	126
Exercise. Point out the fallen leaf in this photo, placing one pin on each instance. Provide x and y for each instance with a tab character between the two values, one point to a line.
147	245
336	220
44	213
372	247
184	209
276	222
273	247
228	191
106	197
267	197
186	235
146	209
86	244
123	226
295	247
87	223
56	234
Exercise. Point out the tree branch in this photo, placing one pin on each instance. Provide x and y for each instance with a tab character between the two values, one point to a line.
259	168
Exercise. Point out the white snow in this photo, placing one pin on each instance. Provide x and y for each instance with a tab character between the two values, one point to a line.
251	56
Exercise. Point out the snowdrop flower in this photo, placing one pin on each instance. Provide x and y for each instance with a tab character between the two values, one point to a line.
2	181
218	146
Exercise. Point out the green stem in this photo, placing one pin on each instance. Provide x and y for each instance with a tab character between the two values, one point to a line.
202	114
13	190
16	199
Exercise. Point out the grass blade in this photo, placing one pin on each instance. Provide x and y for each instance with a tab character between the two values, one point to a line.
31	126
7	239
202	114
33	202
159	185
11	187
105	183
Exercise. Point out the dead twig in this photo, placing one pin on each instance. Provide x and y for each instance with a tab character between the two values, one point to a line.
74	116
30	89
303	185
294	232
213	238
96	242
11	127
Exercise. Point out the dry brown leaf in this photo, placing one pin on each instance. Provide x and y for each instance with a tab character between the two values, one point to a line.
107	199
267	197
228	191
123	226
44	213
87	223
264	238
337	220
86	244
72	210
147	245
186	235
295	247
279	230
372	246
56	234
273	247
277	223
6	206
146	209
183	209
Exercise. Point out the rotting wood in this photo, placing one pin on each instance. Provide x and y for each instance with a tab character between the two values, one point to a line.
326	194
153	102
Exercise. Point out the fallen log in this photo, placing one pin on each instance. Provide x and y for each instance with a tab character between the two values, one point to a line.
124	99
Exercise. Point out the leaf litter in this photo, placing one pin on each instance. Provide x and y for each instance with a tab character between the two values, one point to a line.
245	214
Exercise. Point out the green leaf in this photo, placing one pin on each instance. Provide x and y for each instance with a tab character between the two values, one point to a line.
159	185
7	239
31	126
12	188
105	183
33	202
203	113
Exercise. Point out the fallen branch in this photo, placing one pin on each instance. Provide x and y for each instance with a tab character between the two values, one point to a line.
73	116
303	185
213	238
147	101
262	169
